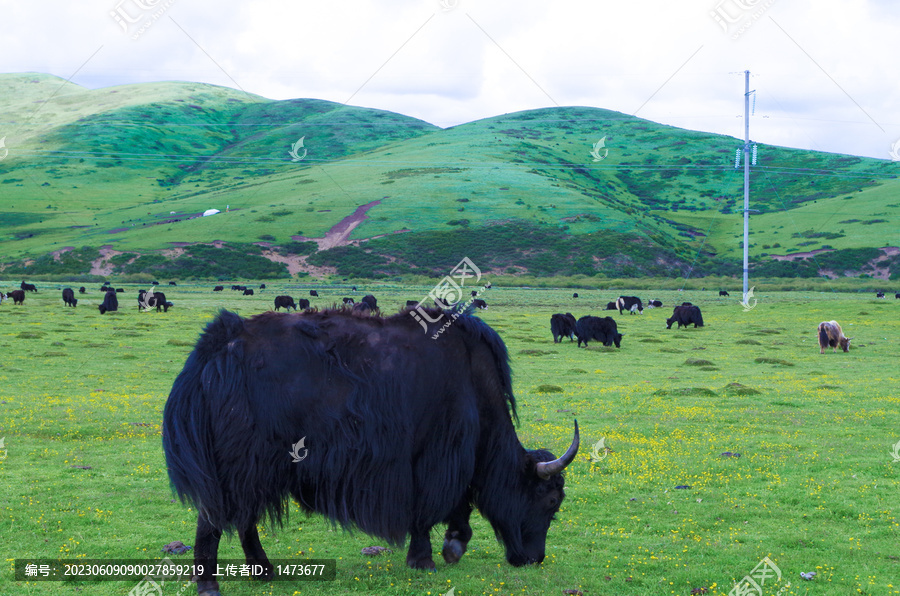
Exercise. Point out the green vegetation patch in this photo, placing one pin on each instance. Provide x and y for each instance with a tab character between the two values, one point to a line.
201	261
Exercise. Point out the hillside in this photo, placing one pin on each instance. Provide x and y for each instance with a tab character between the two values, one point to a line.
114	180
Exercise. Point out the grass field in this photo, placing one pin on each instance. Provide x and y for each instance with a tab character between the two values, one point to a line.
815	488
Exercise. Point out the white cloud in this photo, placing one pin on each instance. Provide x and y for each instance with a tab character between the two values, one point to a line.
824	73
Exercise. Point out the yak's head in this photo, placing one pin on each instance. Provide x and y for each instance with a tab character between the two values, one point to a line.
529	513
669	322
845	343
618	340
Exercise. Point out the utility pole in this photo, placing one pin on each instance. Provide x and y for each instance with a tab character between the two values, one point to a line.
746	179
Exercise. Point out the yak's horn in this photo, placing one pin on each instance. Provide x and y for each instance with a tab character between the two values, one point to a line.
546	469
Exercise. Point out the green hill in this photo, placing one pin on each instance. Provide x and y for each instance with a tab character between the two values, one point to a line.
91	174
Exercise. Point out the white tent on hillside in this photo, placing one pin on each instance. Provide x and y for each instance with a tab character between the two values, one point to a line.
211	212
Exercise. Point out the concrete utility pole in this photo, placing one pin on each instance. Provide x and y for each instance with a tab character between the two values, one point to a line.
746	179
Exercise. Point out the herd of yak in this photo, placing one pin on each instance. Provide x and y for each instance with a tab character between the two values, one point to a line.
586	329
604	329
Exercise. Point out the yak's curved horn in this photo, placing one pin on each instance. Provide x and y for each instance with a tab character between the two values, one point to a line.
546	469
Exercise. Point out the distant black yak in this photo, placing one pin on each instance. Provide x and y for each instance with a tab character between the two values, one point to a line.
68	296
285	302
602	329
110	302
684	316
562	325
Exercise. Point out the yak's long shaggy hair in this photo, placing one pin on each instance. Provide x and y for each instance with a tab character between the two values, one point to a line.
390	446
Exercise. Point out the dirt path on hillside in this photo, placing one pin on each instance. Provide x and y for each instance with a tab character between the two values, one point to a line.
339	234
102	265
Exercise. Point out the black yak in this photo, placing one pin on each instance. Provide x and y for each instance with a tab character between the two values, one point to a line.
302	303
68	296
602	329
370	300
831	335
724	293
28	287
285	302
399	432
248	292
155	300
110	302
610	306
218	288
18	296
479	303
82	290
684	316
314	293
562	325
654	304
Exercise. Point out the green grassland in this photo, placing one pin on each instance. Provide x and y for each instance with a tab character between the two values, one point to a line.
815	487
131	167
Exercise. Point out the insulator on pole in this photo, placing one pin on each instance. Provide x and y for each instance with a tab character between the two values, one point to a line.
737	159
753	156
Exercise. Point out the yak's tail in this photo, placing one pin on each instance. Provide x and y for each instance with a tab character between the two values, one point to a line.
823	337
204	407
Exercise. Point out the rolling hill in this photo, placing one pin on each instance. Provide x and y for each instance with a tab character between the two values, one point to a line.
115	180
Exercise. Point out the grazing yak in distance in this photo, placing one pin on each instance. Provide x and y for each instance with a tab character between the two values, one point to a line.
575	295
629	303
172	283
562	325
110	302
365	420
897	295
654	304
302	303
370	300
81	290
314	293
479	303
349	301
831	335
157	299
285	302
27	287
218	288
248	292
18	296
723	293
602	329
68	296
685	315
879	295
610	306
262	286
362	307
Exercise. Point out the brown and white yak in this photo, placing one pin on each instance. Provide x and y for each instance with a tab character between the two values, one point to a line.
831	335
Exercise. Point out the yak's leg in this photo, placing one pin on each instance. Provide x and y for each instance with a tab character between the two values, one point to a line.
206	549
459	532
254	553
419	554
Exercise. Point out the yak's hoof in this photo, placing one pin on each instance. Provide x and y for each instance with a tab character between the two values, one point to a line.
453	550
426	564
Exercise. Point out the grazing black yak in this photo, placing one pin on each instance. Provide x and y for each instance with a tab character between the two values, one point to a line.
366	420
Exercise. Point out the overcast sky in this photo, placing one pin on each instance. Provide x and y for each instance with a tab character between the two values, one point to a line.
825	72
